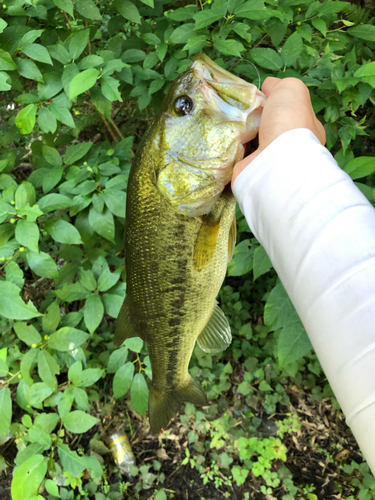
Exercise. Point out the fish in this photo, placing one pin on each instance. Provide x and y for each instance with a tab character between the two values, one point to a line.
180	227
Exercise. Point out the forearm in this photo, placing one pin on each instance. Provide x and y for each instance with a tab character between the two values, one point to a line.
319	232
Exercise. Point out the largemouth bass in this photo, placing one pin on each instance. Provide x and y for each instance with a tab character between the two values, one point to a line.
180	226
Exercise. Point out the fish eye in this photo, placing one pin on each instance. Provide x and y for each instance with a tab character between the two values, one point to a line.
183	105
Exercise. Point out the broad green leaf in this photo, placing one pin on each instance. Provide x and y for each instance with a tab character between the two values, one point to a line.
29	37
160	495
267	58
14	274
42	264
62	114
65	403
242	260
123	380
54	201
51	178
279	310
3	25
292	49
75	152
79	421
25	194
93	312
195	44
135	344
27	234
51	86
27	362
133	55
102	223
82	82
59	53
47	121
100	102
182	14
70	460
320	25
74	372
52	487
72	292
360	167
67	339
78	43
181	33
90	62
90	376
65	5
52	156
112	304
240	474
251	9
87	279
261	262
28	477
127	10
38	393
63	232
87	8
11	304
5	410
117	359
109	87
363	31
38	53
81	399
156	85
51	318
48	368
206	17
6	62
107	279
5	81
229	47
27	333
367	73
3	368
151	38
25	119
28	69
293	343
47	421
38	435
139	393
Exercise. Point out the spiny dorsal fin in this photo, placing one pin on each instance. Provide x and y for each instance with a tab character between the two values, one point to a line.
232	238
216	335
124	329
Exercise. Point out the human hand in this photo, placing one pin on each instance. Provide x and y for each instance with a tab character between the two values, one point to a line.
288	107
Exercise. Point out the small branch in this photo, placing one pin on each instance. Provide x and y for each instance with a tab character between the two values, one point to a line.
87	26
108	127
67	20
117	110
116	128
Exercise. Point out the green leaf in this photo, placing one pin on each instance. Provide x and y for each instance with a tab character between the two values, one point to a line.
38	393
139	393
30	37
70	460
52	487
79	421
52	156
367	73
160	495
195	44
11	304
292	49
63	232
102	223
123	380
3	25
206	17
181	33
293	343
14	274
87	8
47	421
28	477
72	292
62	114
27	333
67	339
229	47
5	81
320	25
363	31
47	369
42	264
25	119
242	260
78	43
59	53
135	344
107	279
279	310
267	58
54	201
240	474
47	121
75	152
251	9
93	312
117	359
109	87
27	234
6	62
81	398
51	87
28	69
360	167
82	82
127	10
27	362
5	410
66	6
261	262
38	53
133	55
90	62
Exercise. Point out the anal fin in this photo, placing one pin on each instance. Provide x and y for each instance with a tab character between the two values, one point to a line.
124	329
216	335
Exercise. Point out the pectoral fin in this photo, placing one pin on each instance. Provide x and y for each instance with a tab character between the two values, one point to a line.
205	245
124	328
216	335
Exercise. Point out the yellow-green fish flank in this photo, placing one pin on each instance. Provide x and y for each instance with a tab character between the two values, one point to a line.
180	227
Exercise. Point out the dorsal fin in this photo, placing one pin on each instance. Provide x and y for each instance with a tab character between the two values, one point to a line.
216	335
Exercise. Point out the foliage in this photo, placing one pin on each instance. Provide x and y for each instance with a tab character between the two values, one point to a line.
79	81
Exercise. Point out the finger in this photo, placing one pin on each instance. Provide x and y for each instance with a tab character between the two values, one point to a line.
241	165
321	133
269	84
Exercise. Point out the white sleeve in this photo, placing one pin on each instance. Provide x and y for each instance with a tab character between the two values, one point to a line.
319	232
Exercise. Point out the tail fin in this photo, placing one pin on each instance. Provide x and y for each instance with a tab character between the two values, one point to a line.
161	404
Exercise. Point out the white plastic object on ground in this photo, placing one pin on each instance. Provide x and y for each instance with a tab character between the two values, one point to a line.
319	232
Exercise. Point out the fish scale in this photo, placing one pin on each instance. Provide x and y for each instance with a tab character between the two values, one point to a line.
179	225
